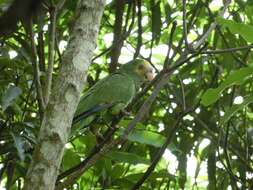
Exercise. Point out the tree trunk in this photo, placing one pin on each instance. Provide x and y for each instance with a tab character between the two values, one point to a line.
56	124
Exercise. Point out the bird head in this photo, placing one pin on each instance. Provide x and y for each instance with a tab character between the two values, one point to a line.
144	70
140	68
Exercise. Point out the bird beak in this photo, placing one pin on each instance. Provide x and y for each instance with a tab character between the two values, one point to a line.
150	76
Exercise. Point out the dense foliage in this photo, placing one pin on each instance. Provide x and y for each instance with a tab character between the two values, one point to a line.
204	111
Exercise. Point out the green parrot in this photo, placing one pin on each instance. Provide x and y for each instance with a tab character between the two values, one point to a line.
114	92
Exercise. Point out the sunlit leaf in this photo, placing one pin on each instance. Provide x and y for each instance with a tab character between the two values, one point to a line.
236	78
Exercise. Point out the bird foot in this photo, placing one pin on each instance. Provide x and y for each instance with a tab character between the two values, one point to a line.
124	112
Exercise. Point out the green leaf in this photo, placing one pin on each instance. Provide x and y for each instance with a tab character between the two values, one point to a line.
10	95
127	157
236	78
210	96
244	30
156	23
70	159
117	171
19	146
235	108
153	176
146	137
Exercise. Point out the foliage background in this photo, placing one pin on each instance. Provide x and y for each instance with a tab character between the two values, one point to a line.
212	146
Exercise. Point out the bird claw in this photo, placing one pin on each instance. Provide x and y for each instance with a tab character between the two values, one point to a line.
99	137
124	112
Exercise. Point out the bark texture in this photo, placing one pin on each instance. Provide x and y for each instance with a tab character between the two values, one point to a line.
56	124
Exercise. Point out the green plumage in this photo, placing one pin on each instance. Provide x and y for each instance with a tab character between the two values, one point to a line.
114	91
117	88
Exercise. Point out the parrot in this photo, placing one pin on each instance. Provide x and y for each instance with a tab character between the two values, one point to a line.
113	92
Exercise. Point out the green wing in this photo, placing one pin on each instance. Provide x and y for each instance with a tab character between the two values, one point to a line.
116	90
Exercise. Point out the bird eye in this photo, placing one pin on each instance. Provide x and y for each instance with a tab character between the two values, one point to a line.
141	67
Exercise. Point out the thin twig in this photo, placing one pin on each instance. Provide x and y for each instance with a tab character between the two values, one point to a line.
151	49
233	177
139	38
101	54
229	50
36	70
185	25
57	49
117	38
130	3
127	32
167	58
182	92
60	4
51	49
27	100
41	52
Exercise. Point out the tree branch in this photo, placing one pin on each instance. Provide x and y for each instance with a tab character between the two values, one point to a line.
139	39
229	50
167	58
185	24
51	49
117	40
36	71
